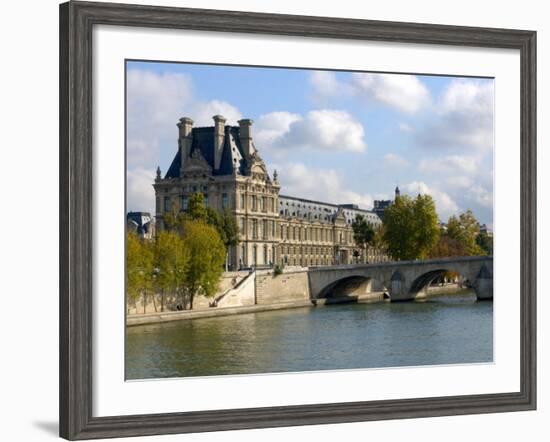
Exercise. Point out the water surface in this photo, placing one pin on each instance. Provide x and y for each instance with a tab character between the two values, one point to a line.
444	330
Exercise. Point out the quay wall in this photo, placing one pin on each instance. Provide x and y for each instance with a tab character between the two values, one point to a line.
290	286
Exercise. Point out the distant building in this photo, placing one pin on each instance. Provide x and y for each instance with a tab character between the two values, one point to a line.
141	223
484	229
380	206
222	163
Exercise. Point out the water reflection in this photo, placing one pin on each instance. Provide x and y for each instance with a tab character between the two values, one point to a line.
442	330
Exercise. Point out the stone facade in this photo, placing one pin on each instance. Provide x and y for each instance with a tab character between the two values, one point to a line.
222	163
142	223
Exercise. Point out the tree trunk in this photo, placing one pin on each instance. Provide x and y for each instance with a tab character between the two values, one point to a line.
227	260
144	301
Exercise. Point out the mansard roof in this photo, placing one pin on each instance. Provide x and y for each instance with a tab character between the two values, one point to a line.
321	211
232	158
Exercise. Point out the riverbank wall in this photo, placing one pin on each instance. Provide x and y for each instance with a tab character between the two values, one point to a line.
236	289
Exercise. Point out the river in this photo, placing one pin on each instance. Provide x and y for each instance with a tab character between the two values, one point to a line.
447	329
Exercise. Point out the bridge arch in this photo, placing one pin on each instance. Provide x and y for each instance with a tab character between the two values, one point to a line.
421	284
403	280
353	288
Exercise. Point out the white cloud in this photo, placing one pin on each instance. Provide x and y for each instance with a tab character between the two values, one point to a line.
449	164
405	93
155	103
404	127
464	119
272	126
445	205
480	196
140	195
459	181
326	129
326	84
394	160
323	185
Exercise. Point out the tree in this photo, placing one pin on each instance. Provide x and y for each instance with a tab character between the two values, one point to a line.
197	209
465	229
206	256
139	267
171	259
447	247
363	233
229	232
410	227
224	222
485	242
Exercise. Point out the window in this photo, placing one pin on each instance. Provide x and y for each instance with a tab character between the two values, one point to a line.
184	202
253	202
264	229
254	228
242	226
273	229
167	204
243	255
242	201
255	255
266	259
225	200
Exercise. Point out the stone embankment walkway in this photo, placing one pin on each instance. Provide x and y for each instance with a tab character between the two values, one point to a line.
153	318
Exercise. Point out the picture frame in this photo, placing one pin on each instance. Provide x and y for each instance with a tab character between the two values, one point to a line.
77	20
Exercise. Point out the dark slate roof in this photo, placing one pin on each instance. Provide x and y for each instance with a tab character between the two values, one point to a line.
203	140
322	211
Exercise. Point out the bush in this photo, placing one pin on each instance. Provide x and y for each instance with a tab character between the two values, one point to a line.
278	270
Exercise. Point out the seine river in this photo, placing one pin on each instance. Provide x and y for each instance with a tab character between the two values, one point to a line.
444	330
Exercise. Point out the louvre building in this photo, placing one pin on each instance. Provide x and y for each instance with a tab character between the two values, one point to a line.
222	163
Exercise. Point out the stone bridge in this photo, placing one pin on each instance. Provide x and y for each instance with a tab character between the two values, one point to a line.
400	280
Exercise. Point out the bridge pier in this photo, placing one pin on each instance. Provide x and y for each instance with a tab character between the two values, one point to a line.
402	280
483	284
399	289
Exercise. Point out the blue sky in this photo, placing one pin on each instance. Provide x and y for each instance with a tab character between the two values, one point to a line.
341	137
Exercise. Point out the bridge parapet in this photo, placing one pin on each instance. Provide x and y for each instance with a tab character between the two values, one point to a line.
404	280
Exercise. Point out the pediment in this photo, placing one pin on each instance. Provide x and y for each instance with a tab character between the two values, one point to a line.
196	163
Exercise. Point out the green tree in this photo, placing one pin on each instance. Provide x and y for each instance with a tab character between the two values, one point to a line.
447	247
206	256
197	210
485	242
363	233
465	229
139	267
410	227
229	232
426	224
171	259
224	222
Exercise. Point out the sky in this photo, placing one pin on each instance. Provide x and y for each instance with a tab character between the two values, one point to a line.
338	137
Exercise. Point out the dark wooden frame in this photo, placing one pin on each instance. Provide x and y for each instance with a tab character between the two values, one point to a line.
76	22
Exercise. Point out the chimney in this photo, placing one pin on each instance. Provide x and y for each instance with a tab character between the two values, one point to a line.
245	136
219	129
185	138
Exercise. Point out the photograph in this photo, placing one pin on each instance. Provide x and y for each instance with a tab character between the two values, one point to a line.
295	220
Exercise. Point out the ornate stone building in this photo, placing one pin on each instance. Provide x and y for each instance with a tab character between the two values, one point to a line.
223	164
